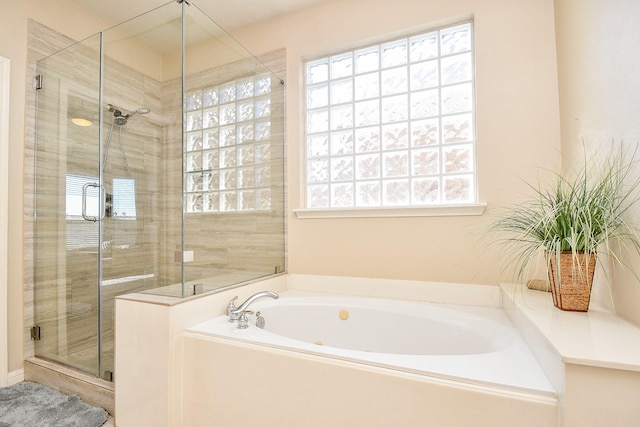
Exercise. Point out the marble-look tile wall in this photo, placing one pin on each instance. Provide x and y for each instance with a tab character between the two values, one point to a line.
137	255
224	244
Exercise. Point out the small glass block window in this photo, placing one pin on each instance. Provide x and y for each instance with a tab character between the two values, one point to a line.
392	124
227	149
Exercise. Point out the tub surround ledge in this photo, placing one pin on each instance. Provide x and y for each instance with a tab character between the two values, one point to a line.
592	358
597	338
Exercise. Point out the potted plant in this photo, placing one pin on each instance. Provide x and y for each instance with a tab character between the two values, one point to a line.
569	222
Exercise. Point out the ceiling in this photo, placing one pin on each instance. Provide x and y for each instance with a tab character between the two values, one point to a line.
228	14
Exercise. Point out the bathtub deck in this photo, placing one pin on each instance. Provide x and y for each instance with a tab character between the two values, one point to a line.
513	368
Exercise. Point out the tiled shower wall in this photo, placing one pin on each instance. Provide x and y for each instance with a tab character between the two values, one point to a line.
227	247
234	245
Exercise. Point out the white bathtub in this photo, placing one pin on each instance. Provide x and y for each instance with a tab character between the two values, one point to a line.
470	345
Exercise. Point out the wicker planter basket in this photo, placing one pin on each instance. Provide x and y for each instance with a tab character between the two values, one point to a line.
571	283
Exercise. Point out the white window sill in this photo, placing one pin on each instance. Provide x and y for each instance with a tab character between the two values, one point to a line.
469	209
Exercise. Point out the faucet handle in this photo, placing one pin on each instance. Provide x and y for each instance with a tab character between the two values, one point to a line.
243	321
231	308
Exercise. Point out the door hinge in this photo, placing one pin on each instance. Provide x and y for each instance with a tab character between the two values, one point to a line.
35	333
37	81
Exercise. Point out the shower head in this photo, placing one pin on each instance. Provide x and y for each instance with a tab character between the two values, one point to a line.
138	111
121	119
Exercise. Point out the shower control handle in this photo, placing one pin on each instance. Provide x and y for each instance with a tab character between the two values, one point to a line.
84	201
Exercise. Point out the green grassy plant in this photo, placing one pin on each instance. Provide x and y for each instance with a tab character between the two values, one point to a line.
583	213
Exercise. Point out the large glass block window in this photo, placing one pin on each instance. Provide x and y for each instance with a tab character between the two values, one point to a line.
392	125
227	147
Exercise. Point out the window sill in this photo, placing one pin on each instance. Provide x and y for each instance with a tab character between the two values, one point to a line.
471	209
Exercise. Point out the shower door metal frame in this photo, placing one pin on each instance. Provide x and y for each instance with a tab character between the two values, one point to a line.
4	212
101	209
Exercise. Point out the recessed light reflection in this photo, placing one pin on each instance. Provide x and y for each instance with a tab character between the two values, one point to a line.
81	122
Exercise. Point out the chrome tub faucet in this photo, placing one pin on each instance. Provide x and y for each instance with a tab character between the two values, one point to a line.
238	314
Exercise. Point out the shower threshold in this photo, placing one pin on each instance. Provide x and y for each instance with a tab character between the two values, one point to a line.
89	388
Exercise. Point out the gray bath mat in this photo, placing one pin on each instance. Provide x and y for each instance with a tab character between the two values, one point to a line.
30	404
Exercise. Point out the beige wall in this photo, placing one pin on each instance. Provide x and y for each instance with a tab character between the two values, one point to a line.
517	128
599	83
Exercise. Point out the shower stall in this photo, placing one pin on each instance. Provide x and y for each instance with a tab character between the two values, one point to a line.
159	169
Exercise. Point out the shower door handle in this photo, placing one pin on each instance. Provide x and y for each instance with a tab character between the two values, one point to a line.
84	201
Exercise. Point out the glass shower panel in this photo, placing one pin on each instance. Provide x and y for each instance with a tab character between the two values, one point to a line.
68	206
159	169
232	161
141	193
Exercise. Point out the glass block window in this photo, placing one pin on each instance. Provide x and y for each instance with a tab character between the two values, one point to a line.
227	148
392	125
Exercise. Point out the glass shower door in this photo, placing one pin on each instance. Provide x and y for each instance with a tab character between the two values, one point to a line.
69	202
159	169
